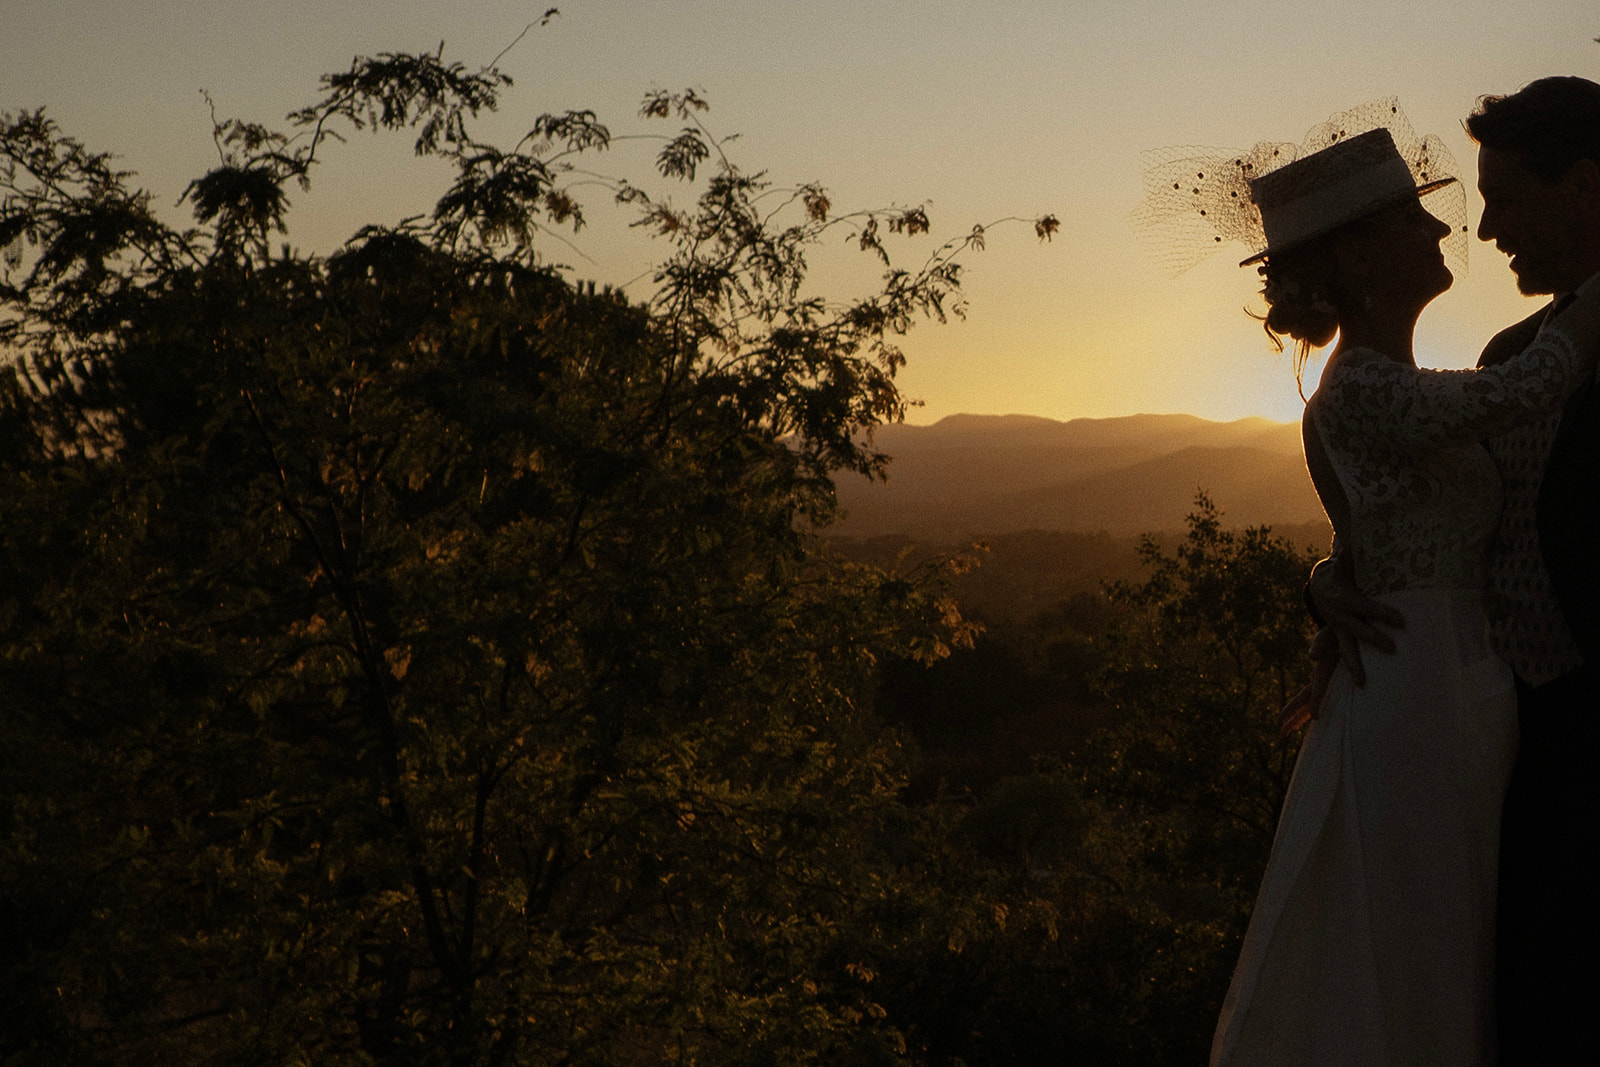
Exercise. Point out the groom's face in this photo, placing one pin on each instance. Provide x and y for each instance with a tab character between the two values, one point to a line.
1531	220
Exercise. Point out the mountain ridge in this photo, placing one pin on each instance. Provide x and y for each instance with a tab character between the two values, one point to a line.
979	475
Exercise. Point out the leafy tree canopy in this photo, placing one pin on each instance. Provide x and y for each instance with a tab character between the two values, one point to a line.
410	658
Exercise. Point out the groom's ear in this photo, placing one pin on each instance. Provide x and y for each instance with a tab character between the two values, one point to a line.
1582	180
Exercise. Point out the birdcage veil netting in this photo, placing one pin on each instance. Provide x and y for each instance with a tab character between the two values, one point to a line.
1197	200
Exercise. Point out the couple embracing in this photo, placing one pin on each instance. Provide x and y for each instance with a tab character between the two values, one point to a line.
1433	896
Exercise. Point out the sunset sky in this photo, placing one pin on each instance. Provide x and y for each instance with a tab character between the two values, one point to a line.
979	110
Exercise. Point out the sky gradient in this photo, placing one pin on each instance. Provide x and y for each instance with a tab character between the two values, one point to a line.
979	110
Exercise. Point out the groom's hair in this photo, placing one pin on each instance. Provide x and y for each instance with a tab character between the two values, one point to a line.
1551	124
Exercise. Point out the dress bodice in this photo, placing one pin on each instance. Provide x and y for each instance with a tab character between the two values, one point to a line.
1412	491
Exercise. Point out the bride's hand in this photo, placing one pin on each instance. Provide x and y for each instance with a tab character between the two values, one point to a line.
1307	704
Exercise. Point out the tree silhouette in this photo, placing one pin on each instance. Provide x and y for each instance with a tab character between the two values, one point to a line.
412	658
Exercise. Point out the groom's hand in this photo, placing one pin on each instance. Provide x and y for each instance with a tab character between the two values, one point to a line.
1355	619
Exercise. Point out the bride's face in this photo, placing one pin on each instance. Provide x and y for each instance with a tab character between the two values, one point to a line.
1404	255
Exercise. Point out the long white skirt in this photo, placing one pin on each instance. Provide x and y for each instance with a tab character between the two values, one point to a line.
1372	939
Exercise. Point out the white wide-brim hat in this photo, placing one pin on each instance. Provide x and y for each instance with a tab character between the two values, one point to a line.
1317	194
1276	195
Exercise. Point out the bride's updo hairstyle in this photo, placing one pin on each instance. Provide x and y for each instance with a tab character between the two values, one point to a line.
1298	287
1287	202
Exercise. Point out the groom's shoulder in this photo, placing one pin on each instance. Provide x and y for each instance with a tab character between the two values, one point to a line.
1511	340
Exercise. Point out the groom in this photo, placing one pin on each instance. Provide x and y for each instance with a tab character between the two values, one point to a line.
1539	175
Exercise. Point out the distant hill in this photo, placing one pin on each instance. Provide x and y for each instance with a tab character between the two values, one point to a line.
980	475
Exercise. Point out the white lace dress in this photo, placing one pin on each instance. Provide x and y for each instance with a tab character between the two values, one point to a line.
1372	937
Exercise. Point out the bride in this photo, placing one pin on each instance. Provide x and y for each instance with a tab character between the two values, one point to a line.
1372	937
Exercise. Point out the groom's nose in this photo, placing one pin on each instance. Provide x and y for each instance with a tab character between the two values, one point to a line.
1489	223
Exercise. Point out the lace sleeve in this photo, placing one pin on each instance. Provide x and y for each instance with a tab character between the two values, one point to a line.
1417	410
